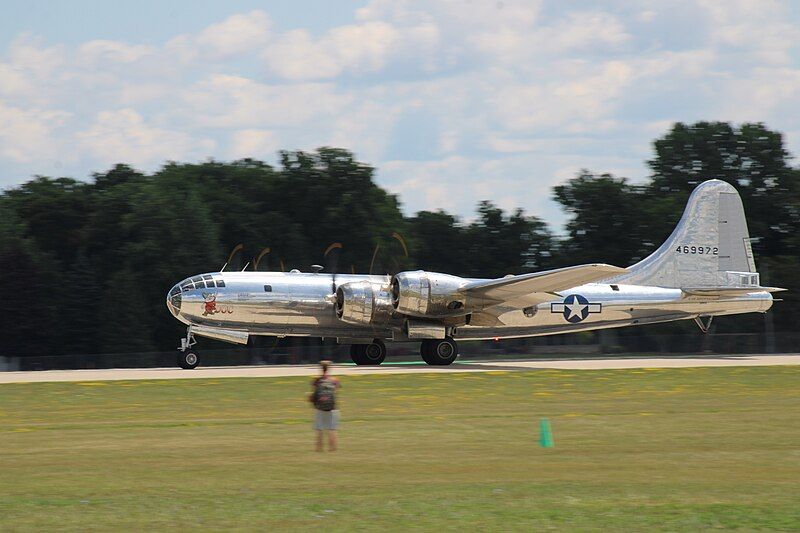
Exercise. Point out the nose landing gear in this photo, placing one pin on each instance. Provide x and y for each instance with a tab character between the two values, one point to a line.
188	358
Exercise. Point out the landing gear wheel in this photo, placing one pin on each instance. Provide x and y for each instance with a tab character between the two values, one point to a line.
439	352
188	360
357	353
368	354
374	353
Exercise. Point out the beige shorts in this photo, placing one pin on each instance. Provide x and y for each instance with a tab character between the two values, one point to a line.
326	419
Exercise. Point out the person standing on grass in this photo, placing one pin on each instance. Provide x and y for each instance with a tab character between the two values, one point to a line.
326	415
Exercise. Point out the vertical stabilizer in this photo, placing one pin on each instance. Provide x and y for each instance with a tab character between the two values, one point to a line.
710	247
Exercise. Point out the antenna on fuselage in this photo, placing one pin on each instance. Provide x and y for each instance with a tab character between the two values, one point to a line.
223	267
245	266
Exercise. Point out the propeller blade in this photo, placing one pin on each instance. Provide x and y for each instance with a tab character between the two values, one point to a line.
257	260
374	255
333	251
402	242
236	249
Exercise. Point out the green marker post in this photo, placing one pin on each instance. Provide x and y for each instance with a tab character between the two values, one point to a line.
545	435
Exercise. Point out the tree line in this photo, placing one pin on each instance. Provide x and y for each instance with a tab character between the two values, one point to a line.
85	265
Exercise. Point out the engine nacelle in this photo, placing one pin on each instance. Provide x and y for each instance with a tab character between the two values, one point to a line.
428	294
363	303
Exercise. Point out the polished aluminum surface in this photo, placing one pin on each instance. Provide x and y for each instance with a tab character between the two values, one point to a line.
428	294
705	268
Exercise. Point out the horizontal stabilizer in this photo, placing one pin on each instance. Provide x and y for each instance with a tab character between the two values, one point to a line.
492	292
727	291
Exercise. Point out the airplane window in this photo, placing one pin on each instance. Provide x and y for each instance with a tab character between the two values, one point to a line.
187	287
207	277
220	283
267	288
197	278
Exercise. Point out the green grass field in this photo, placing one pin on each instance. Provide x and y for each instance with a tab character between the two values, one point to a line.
634	449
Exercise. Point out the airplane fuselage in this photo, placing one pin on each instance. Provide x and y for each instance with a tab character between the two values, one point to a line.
303	304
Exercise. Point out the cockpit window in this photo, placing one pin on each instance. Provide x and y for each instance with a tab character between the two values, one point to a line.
267	288
200	282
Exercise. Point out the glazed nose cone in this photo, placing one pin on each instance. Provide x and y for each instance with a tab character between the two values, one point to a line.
174	301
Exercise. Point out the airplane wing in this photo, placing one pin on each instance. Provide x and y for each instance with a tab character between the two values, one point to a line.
505	290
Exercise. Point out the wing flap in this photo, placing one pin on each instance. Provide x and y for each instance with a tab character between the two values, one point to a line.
727	291
492	292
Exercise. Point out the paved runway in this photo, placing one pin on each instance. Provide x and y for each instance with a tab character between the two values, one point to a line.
517	365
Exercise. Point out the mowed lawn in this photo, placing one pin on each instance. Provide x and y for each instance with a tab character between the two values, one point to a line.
640	450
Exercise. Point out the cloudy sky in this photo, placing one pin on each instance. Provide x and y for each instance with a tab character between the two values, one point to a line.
453	102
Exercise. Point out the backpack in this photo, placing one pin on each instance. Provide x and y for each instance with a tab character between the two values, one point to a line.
325	394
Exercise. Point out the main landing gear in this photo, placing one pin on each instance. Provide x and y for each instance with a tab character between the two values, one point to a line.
439	351
188	358
368	354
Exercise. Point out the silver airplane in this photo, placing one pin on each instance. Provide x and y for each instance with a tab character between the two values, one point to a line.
704	269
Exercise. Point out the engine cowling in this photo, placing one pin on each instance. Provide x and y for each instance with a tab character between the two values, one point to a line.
428	294
363	303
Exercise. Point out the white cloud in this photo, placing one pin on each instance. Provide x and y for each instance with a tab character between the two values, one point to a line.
577	31
453	102
26	135
238	34
253	143
756	30
224	101
13	81
357	49
575	104
124	136
98	52
29	54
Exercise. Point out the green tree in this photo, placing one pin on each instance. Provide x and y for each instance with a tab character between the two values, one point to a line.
607	218
438	242
499	245
28	276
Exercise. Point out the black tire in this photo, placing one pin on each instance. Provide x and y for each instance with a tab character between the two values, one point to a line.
374	353
357	354
439	352
371	354
425	351
188	360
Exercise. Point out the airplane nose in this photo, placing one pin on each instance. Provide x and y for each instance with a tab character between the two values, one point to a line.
174	301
